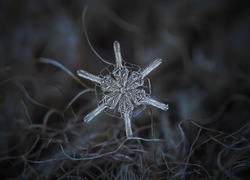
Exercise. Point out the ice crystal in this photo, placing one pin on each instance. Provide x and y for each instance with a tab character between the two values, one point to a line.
123	90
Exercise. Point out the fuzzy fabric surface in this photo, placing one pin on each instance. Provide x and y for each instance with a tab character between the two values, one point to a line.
204	77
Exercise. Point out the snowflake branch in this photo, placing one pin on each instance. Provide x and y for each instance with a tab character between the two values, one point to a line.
95	112
89	76
155	103
128	124
150	68
118	56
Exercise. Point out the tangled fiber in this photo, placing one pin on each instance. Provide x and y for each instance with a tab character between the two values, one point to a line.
204	77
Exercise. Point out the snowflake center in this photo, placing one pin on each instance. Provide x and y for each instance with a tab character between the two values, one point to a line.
123	90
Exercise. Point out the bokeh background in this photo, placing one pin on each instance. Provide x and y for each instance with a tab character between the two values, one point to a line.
204	77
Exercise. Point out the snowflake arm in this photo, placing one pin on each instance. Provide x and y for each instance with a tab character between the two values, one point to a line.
155	103
95	112
118	56
150	68
89	76
128	129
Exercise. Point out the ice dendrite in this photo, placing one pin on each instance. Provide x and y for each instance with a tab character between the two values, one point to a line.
123	90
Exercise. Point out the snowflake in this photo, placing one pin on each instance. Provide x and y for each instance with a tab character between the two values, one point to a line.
123	90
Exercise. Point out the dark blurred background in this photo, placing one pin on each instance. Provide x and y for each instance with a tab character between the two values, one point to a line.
204	77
